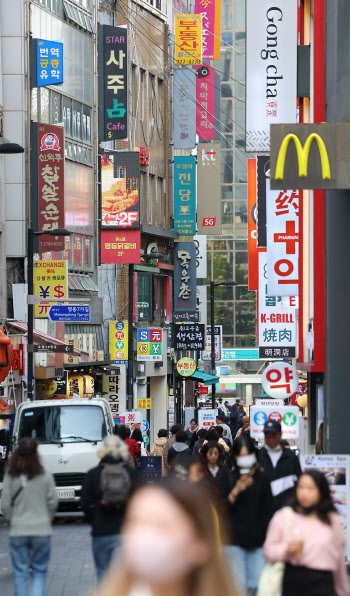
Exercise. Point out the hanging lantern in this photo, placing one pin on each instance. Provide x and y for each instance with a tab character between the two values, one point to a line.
6	355
302	400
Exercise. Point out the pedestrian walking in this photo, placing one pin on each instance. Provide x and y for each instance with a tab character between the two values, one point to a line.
104	496
250	509
170	545
132	445
174	429
29	502
120	431
313	546
191	432
137	436
216	472
280	464
220	421
159	445
201	436
179	452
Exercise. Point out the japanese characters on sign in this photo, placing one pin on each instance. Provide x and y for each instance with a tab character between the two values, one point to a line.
280	380
287	416
186	366
205	98
208	188
185	195
113	86
283	241
184	108
149	344
144	403
206	354
277	326
189	336
118	341
188	39
120	175
50	280
120	247
46	62
211	21
184	277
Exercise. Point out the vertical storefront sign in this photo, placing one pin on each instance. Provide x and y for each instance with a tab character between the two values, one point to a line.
184	108
263	171
211	21
209	188
48	183
188	39
206	353
120	247
46	62
253	253
113	83
50	279
185	195
271	63
184	277
283	241
205	98
120	178
118	341
114	390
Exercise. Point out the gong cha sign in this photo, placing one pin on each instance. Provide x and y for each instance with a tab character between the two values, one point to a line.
280	380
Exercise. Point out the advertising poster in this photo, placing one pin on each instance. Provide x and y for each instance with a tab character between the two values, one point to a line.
287	416
211	23
46	62
184	108
188	39
50	280
207	418
184	277
113	82
205	98
185	195
118	341
209	188
336	469
149	345
120	176
120	247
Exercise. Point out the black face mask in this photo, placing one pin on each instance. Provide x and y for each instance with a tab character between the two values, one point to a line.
308	510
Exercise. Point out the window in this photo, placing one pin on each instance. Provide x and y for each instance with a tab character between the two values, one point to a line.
44	105
144	296
77	128
142	94
151	91
160	201
55	108
160	88
88	252
150	198
142	195
67	115
133	89
160	298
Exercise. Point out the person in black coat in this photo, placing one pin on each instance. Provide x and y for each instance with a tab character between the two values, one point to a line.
212	456
180	455
106	520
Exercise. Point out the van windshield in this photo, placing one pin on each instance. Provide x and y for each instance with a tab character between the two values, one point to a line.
63	424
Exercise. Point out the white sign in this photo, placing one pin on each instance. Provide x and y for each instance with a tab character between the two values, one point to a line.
336	469
269	403
206	353
201	302
131	419
114	390
282	241
280	380
277	326
271	59
200	243
207	418
287	416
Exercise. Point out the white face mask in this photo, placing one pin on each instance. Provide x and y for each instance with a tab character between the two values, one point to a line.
148	553
277	448
246	461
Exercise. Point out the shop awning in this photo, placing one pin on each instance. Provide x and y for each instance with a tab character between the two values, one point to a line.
201	376
44	337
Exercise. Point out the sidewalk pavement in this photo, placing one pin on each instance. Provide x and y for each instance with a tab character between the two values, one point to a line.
71	570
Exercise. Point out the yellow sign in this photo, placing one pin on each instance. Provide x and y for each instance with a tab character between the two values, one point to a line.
144	404
50	281
188	39
186	367
118	341
303	156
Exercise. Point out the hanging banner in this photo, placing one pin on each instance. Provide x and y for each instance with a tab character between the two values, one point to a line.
253	253
185	195
120	247
209	188
46	62
205	101
50	279
282	241
120	203
277	326
184	277
271	69
211	22
184	108
113	83
188	39
118	341
263	171
114	390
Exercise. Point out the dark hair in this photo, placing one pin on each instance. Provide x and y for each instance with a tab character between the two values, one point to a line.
219	430
325	505
202	433
238	401
220	417
162	433
233	418
181	436
137	435
25	459
211	445
120	431
175	429
127	432
212	435
193	420
244	441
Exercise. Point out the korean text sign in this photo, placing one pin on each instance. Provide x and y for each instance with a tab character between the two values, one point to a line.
46	62
50	280
149	344
188	39
184	277
185	195
113	84
280	380
120	247
205	98
114	389
184	108
211	23
118	341
189	336
186	366
144	403
206	354
120	202
207	418
287	416
209	188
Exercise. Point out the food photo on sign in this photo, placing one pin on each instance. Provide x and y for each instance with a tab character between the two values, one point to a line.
120	175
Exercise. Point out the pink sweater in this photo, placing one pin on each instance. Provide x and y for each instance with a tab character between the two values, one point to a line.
323	545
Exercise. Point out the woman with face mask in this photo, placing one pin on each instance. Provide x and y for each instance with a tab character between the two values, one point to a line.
250	506
313	545
168	547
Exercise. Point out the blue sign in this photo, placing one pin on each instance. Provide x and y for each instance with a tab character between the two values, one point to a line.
145	426
185	195
151	468
64	312
184	108
240	354
46	62
260	418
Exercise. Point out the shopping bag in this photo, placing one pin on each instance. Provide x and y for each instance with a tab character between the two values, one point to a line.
271	579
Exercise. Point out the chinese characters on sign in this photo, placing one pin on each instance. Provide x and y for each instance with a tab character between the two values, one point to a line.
46	62
205	98
189	337
184	108
184	277
188	39
186	367
208	188
211	21
120	174
50	280
113	87
144	403
149	344
118	341
120	247
185	195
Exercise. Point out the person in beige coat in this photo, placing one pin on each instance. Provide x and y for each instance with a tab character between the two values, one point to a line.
159	445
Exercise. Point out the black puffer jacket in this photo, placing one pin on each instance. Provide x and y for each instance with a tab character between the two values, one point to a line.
283	477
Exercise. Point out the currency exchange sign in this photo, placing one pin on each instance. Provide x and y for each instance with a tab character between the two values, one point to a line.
185	195
50	281
184	277
118	342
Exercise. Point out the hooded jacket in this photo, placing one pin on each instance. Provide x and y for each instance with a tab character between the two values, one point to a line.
158	449
178	451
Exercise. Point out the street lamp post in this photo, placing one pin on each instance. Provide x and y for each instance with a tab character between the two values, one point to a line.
30	279
214	285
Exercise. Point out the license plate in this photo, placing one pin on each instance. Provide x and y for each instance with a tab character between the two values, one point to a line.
65	493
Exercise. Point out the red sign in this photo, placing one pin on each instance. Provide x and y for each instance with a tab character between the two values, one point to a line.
144	156
276	416
205	100
21	360
77	249
50	176
209	222
120	247
203	390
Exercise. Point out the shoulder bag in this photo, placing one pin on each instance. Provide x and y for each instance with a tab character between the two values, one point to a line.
271	580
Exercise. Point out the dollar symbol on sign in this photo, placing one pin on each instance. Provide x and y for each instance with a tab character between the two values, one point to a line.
58	292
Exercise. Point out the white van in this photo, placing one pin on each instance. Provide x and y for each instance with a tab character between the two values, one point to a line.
69	433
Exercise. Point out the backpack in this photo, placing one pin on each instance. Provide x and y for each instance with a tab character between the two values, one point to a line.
115	485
